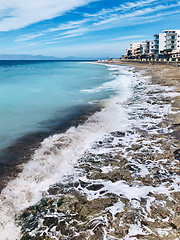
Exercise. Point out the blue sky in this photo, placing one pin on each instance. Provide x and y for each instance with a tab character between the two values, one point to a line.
92	28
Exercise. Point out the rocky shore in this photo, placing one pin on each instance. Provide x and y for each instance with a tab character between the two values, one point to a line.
127	185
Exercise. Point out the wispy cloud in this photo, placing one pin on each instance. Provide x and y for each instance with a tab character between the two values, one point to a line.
131	5
27	37
128	14
17	14
69	34
118	16
122	7
125	15
67	26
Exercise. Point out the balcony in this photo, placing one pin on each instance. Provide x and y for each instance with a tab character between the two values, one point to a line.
156	42
156	36
171	44
171	33
169	38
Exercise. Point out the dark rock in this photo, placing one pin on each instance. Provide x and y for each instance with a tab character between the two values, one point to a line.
60	202
118	134
83	184
50	221
177	154
95	187
28	237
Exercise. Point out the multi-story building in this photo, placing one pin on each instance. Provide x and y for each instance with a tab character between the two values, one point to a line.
164	46
128	52
143	48
149	47
135	48
156	44
138	49
172	39
167	41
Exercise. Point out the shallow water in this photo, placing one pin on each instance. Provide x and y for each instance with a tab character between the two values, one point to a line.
108	86
33	94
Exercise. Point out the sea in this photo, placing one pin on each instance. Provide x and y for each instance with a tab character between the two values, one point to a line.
36	94
52	113
46	103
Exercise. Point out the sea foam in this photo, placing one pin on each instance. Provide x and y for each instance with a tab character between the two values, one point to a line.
58	153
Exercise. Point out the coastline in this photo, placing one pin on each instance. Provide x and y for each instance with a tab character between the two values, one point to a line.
19	153
131	189
126	185
164	75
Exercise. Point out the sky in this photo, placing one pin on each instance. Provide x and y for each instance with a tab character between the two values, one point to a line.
82	28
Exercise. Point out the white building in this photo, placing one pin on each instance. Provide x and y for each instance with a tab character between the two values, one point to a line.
135	48
143	48
149	47
168	41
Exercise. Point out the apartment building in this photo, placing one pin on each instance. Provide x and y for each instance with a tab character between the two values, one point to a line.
149	47
135	48
143	48
167	41
165	45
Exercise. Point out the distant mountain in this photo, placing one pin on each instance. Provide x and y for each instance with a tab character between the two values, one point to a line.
25	57
79	58
41	57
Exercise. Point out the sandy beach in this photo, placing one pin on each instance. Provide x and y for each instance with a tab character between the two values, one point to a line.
165	75
130	191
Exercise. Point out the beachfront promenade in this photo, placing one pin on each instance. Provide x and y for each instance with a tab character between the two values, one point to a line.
148	61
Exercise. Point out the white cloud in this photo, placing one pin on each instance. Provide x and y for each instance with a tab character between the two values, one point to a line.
67	26
17	14
69	34
118	17
127	14
137	13
131	5
123	7
27	37
129	19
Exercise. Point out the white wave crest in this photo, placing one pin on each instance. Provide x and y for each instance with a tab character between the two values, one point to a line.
58	154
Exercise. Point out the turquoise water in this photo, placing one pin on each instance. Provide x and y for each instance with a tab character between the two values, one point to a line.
34	92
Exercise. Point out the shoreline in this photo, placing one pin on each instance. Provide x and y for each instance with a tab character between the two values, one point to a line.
162	74
126	185
130	191
24	148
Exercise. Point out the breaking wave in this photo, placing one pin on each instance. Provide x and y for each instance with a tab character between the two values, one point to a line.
58	153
